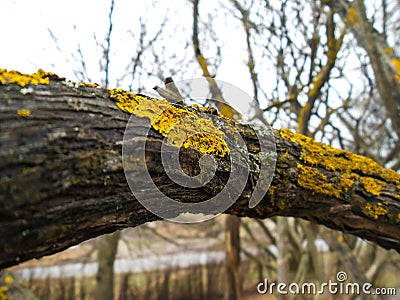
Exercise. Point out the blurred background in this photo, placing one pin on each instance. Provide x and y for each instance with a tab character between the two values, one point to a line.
327	69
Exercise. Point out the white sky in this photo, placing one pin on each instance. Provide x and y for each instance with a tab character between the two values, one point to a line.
27	45
26	42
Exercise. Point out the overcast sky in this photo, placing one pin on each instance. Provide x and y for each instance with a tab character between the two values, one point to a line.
27	44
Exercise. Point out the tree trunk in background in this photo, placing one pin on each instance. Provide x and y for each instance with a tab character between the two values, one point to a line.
107	246
283	255
232	260
383	62
62	181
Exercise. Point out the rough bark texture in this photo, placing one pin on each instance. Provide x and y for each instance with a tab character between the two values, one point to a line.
62	181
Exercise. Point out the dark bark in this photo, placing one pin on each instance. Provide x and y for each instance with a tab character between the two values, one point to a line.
232	261
62	181
107	246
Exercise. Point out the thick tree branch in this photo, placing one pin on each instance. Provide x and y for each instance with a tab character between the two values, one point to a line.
62	181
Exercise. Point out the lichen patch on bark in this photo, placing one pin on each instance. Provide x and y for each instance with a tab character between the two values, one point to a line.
372	186
23	113
181	126
312	179
40	77
374	211
321	155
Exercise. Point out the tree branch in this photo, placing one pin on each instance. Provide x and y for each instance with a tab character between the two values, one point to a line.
62	179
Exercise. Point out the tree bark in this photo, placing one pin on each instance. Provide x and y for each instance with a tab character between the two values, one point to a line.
232	261
62	179
107	246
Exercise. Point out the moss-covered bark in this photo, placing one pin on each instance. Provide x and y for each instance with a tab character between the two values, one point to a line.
62	181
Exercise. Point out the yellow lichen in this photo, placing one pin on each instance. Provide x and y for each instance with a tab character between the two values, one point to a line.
375	210
322	155
8	279
281	204
389	51
23	113
351	17
340	239
312	179
168	118
372	186
94	85
271	190
396	65
229	112
3	292
182	127
40	77
152	110
126	101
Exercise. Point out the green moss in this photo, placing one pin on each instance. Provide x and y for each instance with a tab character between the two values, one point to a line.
28	171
